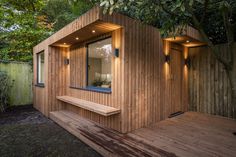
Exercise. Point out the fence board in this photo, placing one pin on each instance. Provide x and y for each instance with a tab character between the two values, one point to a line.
21	75
208	84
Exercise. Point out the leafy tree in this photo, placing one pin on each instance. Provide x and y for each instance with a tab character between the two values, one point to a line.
25	23
215	20
61	12
21	28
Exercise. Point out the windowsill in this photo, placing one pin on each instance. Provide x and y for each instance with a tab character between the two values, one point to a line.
95	89
41	85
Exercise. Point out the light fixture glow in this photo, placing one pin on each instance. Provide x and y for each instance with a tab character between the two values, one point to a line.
93	31
187	41
64	43
77	38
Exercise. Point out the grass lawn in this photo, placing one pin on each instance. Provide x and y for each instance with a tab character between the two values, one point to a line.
26	132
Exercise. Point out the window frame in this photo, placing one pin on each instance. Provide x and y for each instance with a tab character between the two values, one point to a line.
93	88
40	84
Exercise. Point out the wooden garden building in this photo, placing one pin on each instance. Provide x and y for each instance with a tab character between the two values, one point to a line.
113	70
114	83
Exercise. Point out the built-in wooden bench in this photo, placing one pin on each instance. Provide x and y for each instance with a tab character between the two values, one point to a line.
91	106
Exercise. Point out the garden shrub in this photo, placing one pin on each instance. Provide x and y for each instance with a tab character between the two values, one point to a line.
5	86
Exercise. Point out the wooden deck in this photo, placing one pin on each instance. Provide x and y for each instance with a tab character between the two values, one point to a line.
191	134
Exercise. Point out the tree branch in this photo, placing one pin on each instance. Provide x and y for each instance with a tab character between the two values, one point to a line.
229	34
166	10
215	51
32	5
205	9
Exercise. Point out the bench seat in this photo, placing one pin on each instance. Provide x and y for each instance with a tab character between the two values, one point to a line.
91	106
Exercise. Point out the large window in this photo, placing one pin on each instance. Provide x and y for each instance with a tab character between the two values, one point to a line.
40	68
99	64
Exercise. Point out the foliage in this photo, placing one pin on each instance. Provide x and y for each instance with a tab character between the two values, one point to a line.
4	91
215	20
61	12
169	15
25	23
21	28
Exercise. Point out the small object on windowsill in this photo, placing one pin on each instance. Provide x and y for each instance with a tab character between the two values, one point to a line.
99	89
105	86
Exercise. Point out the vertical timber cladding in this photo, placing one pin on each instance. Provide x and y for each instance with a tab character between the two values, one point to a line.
147	77
43	100
140	82
57	78
208	83
63	77
40	96
179	78
143	63
78	67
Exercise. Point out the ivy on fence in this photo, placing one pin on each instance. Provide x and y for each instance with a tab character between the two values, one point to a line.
4	90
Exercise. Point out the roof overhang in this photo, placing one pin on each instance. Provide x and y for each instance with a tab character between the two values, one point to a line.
82	27
94	19
92	30
189	38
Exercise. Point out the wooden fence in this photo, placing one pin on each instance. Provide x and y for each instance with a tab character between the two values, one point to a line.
208	84
21	75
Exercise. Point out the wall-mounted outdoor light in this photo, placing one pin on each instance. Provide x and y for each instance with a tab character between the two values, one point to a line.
116	52
66	61
187	62
167	58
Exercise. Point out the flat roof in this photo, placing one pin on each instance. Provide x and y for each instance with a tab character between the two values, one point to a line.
84	26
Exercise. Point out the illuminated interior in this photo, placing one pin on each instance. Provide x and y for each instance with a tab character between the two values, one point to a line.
99	64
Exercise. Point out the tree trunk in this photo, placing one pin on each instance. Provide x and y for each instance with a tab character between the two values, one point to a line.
232	79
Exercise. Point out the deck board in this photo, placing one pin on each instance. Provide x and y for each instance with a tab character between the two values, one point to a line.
191	134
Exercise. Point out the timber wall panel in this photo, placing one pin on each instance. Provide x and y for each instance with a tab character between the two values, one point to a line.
21	90
65	76
58	79
78	67
147	77
208	84
40	97
143	66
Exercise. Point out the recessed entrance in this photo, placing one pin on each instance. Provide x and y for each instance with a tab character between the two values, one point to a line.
176	73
